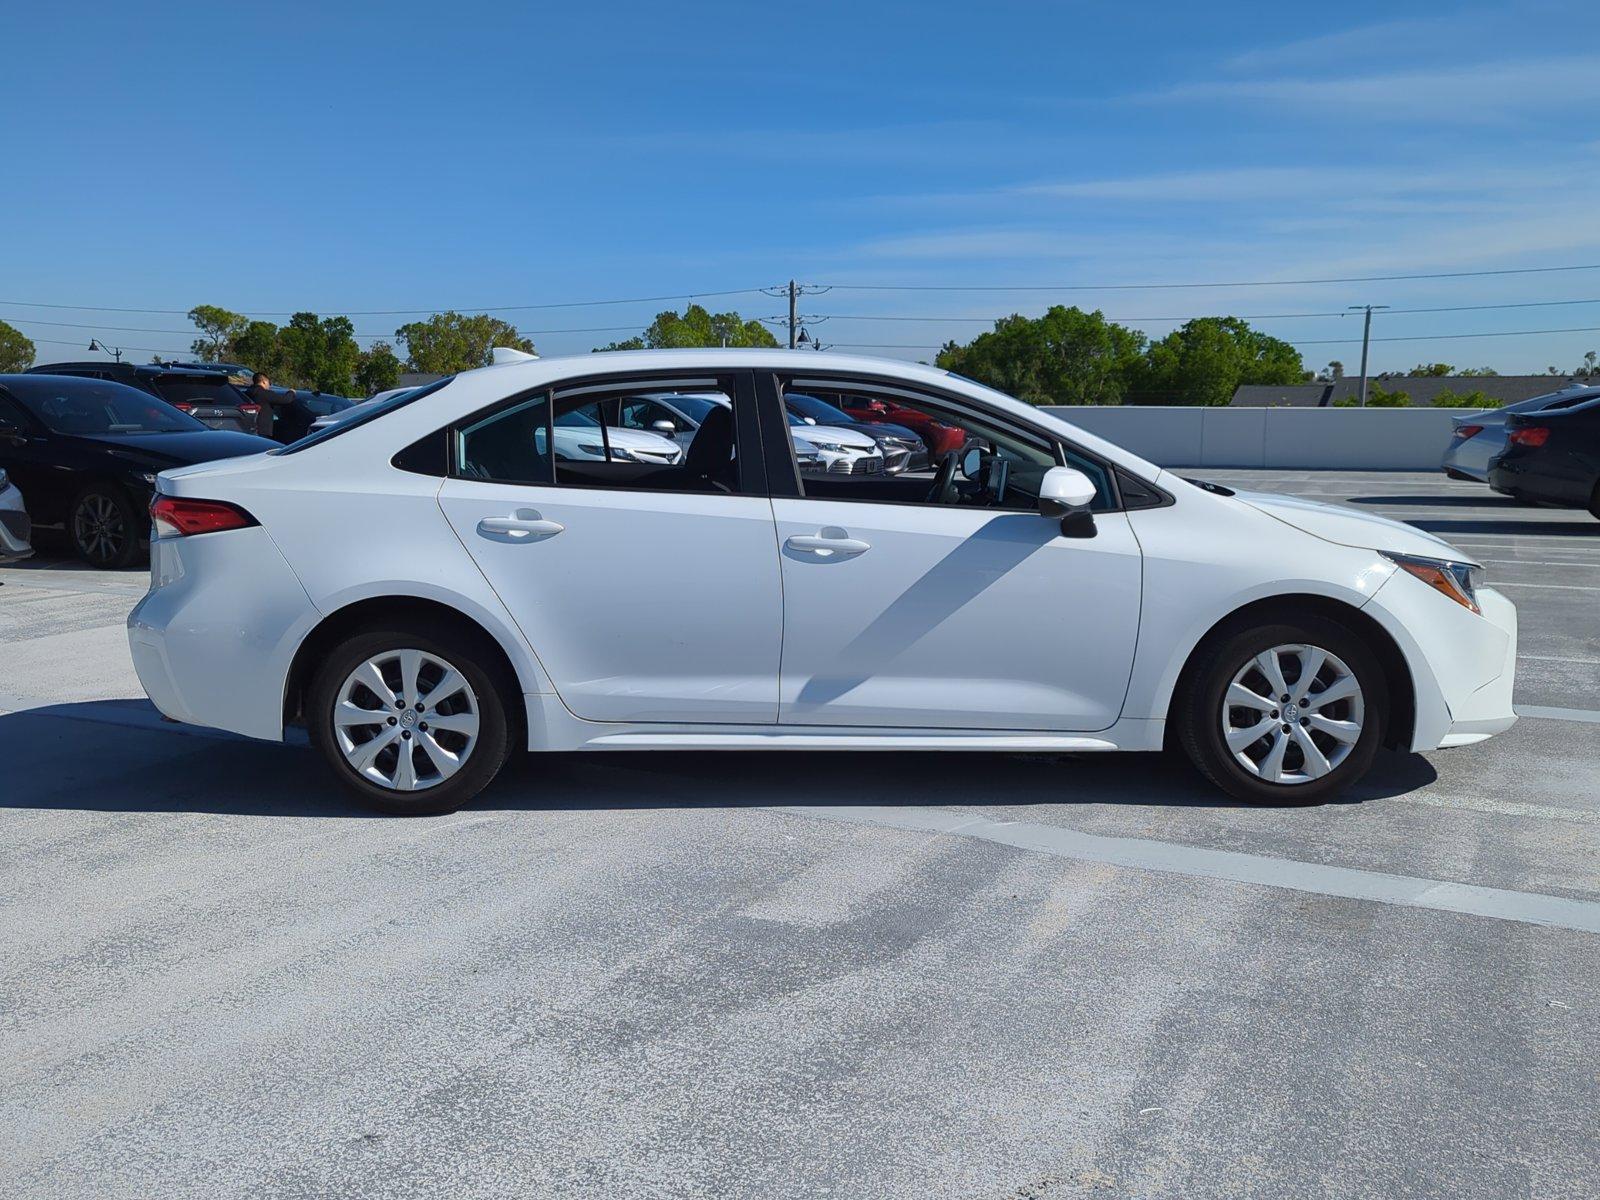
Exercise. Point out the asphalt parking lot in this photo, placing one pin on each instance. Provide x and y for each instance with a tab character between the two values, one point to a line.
851	975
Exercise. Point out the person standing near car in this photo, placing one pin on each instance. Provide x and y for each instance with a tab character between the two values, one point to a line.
261	394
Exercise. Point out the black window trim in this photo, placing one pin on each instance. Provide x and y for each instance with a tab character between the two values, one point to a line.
780	452
752	473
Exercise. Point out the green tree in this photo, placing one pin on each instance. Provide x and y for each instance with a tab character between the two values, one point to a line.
1206	360
1481	372
697	327
218	327
1472	399
319	352
1432	370
1066	356
378	371
257	346
1377	397
16	350
448	342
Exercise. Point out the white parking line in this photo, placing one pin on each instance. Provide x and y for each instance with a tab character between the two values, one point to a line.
1588	662
1560	587
1587	716
1503	808
1533	908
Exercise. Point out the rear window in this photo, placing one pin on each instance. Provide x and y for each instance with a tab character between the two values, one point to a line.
75	406
184	389
360	414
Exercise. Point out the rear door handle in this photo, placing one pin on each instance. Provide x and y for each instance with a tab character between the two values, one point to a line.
524	525
831	542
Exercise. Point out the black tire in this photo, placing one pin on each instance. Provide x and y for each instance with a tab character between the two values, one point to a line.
1198	712
105	527
478	664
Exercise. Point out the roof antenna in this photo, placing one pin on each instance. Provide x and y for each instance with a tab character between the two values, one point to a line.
505	354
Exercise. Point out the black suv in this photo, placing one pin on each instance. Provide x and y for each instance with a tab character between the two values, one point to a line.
206	395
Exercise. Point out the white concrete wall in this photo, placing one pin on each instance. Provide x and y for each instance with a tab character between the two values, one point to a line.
1352	439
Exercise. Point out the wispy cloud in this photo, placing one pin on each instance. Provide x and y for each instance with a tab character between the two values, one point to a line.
1482	92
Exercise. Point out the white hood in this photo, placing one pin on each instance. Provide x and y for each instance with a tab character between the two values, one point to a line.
634	439
1351	526
849	438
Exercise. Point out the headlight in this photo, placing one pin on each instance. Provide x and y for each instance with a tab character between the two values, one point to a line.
1457	581
830	447
618	454
594	448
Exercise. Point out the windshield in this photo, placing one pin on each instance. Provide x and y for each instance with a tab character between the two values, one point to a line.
694	407
359	414
96	406
577	418
820	410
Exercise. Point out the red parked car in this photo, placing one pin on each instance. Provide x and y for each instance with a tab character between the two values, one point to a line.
941	438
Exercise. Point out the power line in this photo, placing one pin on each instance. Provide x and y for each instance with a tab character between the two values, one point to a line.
1139	287
402	312
1419	337
1198	316
192	332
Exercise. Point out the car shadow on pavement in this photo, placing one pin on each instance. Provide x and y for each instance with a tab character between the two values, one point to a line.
139	764
1582	526
1487	500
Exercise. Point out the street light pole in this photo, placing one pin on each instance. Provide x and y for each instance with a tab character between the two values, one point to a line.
97	344
1366	341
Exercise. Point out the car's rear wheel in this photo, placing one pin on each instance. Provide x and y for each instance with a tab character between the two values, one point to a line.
105	526
1285	713
413	722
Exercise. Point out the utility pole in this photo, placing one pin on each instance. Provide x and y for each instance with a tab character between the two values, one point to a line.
794	321
1366	341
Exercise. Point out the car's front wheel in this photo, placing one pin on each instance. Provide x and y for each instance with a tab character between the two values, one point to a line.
413	722
1284	713
105	527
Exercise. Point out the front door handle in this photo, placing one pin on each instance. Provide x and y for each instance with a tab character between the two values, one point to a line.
831	542
524	525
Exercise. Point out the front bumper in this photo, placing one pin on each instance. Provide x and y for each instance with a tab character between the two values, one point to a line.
16	531
1463	664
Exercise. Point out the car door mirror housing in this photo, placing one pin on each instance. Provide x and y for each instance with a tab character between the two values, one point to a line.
664	427
1065	490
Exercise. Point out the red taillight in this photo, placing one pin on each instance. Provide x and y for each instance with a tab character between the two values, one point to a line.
183	405
174	516
1467	431
1533	435
253	409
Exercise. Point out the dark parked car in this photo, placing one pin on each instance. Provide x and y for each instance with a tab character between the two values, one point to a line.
86	452
294	420
1552	457
903	448
206	394
1479	437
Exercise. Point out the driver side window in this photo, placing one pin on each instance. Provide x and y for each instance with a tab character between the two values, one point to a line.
892	444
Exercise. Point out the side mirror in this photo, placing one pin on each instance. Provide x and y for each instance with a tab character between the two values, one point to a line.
809	420
1064	491
664	427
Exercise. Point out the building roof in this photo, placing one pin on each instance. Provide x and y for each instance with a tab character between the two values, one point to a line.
1289	395
1508	389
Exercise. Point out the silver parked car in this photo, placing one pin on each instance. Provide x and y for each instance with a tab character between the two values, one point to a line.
15	528
1479	437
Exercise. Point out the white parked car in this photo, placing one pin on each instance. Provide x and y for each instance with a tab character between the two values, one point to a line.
817	447
1049	591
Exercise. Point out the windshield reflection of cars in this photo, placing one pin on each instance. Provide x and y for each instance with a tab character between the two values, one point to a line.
99	408
578	418
819	410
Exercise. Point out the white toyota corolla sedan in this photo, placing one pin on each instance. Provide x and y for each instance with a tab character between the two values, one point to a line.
426	587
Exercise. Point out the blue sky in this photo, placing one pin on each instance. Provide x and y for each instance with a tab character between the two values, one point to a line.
346	158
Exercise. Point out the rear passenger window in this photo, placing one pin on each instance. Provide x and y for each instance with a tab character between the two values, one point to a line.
512	446
659	437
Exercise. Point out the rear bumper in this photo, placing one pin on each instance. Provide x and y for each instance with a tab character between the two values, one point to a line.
213	638
1540	479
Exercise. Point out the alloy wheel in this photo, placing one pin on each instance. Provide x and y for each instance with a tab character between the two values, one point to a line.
99	528
406	720
1292	714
